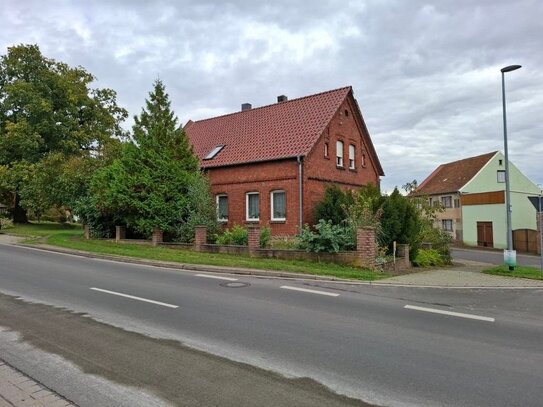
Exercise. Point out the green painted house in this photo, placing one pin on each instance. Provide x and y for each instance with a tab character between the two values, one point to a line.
472	193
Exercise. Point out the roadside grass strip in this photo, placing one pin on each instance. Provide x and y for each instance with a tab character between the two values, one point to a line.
450	313
134	297
306	290
217	277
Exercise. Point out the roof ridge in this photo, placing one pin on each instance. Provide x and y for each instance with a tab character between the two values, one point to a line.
492	153
272	104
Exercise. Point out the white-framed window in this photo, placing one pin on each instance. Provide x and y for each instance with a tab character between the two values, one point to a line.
278	205
222	208
446	201
252	206
363	160
501	176
430	201
339	153
351	157
457	203
447	225
326	150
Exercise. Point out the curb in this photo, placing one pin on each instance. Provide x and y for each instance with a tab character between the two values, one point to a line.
258	273
190	267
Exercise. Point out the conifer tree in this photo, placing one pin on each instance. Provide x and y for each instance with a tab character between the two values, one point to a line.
148	186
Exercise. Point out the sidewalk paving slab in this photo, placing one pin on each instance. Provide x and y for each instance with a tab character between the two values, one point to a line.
19	390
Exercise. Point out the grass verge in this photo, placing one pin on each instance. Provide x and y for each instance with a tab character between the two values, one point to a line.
520	272
70	236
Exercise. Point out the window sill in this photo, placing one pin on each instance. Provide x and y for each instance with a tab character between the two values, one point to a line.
353	170
340	167
277	221
252	221
222	220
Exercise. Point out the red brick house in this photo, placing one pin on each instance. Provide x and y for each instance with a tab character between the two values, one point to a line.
270	165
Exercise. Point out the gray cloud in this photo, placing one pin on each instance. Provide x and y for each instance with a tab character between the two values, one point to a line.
426	74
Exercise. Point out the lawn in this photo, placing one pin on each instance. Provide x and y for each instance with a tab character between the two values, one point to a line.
520	272
70	236
43	229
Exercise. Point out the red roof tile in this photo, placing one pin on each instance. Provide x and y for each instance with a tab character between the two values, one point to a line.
452	176
282	130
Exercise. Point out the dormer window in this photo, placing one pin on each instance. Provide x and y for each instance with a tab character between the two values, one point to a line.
214	152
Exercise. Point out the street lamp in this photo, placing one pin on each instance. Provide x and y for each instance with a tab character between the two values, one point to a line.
509	254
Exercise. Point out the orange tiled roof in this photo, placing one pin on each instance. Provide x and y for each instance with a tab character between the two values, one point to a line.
281	130
452	176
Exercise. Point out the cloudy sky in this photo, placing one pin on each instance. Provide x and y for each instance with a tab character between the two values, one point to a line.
425	73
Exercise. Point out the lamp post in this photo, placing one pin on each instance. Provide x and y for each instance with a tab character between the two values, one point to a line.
509	253
540	228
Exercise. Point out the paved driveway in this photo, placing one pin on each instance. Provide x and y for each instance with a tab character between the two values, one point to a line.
467	274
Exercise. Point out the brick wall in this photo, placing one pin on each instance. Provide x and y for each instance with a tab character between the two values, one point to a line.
366	246
318	172
263	178
200	237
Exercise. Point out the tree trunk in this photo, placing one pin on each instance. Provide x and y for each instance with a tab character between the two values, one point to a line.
19	214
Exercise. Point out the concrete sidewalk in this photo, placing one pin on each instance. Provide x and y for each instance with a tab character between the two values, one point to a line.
460	277
19	390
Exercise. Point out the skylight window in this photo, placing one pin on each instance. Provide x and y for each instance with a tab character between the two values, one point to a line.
214	152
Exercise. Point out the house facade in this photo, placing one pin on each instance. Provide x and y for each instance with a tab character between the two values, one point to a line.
472	193
269	166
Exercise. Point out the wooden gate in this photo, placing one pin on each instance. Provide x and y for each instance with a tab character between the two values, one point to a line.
525	240
484	234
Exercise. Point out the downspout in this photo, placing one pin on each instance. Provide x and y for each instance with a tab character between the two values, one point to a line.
300	192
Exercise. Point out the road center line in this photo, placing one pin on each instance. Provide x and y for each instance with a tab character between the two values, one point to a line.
305	290
454	314
134	297
216	277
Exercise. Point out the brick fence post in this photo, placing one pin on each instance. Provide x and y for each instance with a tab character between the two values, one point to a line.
253	239
200	237
539	227
120	233
403	254
86	232
366	246
158	236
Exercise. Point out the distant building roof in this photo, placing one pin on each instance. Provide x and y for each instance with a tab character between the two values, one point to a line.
282	130
452	176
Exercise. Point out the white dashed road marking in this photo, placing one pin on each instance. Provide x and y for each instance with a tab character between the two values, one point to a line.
216	277
454	314
134	297
305	290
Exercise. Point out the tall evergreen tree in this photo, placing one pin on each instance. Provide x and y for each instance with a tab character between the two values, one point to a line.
148	185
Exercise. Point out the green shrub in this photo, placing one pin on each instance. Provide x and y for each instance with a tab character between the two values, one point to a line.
238	235
265	235
326	238
6	223
333	205
428	258
285	242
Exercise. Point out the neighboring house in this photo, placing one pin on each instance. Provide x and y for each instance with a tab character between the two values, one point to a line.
472	192
270	165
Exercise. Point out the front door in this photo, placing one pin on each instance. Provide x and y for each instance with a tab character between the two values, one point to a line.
484	234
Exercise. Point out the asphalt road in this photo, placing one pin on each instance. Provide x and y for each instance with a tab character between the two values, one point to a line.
493	257
360	341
